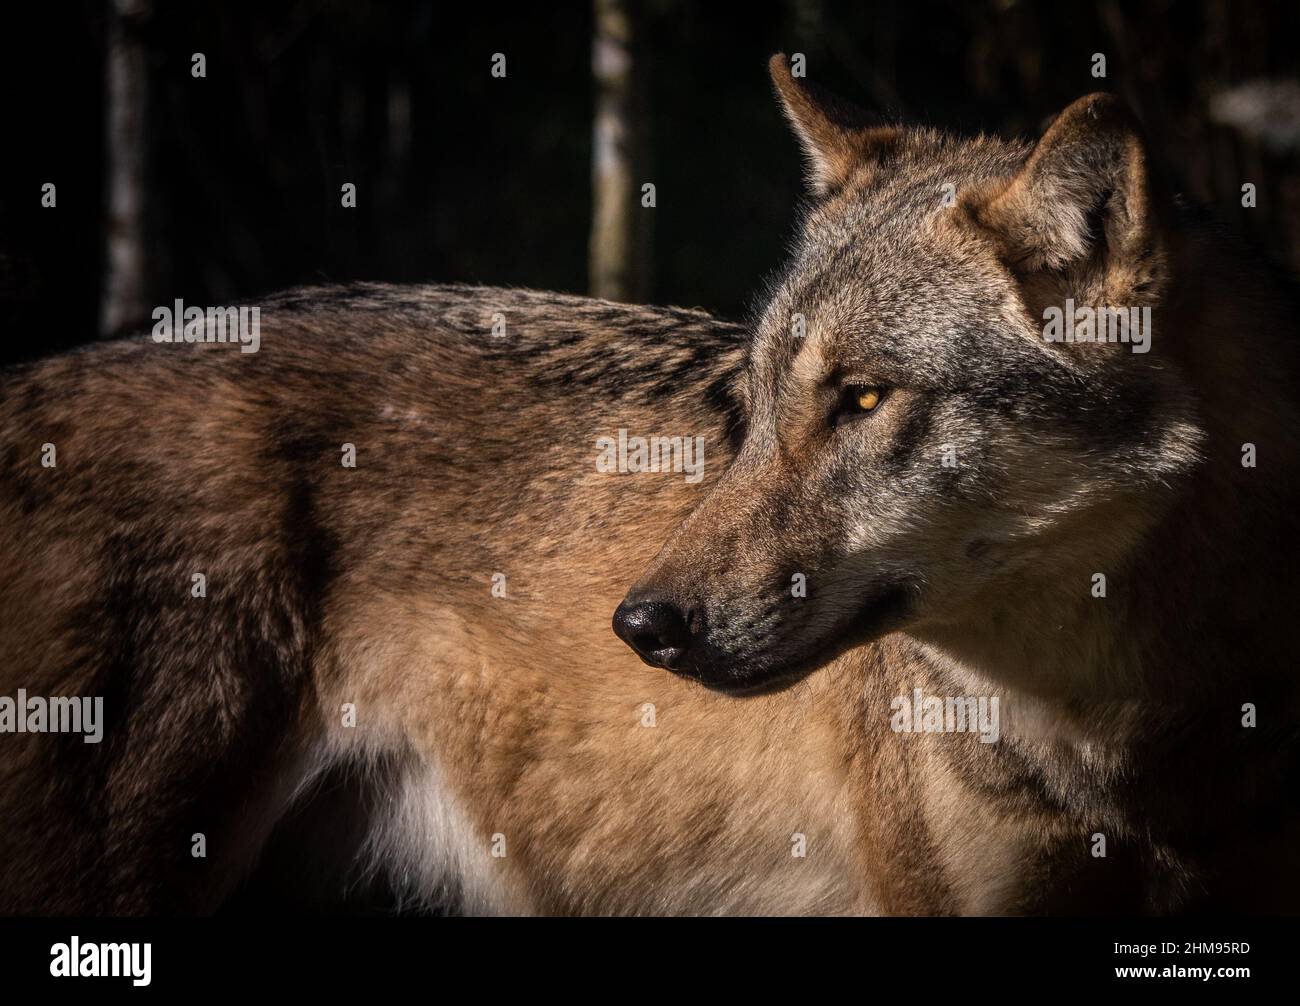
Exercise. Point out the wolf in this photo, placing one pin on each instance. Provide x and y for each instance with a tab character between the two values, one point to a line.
346	602
1103	539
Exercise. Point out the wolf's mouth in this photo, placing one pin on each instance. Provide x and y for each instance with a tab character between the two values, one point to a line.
761	674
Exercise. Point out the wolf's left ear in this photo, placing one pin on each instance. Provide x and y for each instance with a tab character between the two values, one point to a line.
834	134
1083	195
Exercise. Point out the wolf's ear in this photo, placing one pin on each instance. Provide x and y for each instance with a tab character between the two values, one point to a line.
1083	195
833	133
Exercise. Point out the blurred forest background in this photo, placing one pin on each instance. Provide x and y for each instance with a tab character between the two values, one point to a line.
220	188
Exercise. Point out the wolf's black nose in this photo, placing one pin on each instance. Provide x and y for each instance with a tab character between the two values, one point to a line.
657	630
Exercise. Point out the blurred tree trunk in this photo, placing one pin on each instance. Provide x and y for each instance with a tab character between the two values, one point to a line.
619	248
122	303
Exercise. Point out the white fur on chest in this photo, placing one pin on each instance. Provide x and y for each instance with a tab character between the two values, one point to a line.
424	842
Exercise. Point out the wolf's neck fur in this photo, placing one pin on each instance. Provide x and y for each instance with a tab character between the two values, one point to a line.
1185	633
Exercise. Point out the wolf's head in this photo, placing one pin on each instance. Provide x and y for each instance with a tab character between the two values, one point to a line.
916	447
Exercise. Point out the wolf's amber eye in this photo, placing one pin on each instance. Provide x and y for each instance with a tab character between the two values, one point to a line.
858	400
868	398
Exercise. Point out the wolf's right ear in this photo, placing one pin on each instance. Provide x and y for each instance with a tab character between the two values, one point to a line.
1084	195
832	132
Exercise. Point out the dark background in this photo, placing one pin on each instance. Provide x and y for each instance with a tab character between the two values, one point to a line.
489	180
